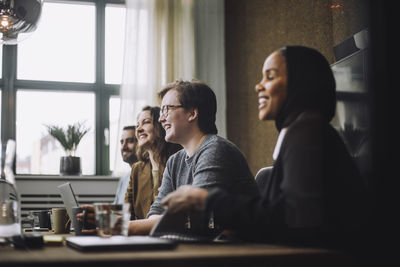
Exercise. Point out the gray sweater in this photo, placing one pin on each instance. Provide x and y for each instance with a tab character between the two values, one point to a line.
217	163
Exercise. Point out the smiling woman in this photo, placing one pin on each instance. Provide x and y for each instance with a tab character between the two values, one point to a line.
272	87
152	152
145	129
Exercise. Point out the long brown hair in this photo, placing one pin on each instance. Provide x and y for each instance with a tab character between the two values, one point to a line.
162	150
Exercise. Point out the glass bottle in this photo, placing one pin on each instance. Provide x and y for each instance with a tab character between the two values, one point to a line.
10	212
10	208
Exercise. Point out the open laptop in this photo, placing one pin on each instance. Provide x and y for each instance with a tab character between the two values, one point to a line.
69	199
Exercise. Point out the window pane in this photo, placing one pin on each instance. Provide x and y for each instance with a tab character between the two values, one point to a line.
114	104
63	46
39	153
114	46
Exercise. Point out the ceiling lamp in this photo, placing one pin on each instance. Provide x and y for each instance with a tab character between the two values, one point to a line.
18	19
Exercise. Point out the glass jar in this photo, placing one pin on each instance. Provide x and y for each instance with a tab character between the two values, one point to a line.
10	211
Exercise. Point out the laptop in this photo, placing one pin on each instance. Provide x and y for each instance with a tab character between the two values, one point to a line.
118	243
68	198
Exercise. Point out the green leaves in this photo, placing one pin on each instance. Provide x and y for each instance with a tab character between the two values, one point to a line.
69	137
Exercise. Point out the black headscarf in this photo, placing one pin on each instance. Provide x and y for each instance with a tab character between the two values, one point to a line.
310	85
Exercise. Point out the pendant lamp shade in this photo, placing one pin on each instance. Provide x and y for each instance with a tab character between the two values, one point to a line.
18	19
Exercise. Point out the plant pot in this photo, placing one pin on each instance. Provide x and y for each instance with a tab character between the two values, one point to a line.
70	165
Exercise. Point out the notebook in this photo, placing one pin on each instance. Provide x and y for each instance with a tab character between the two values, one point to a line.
97	243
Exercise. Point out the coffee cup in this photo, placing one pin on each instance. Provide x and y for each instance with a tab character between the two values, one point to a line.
44	219
61	221
76	224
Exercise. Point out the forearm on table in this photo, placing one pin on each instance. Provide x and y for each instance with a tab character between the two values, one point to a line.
144	226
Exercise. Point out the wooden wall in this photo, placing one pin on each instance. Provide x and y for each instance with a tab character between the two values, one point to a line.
254	29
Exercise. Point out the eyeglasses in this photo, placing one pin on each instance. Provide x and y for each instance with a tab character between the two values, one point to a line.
166	108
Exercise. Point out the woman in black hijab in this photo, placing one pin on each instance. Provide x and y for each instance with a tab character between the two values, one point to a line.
315	194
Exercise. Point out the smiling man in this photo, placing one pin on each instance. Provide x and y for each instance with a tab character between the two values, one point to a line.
128	152
188	113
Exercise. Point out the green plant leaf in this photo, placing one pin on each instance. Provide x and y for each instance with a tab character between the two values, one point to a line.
69	137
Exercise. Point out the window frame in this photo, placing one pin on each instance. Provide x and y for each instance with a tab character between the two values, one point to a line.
9	84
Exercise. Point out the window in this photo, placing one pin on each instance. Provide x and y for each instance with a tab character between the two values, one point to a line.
61	49
114	46
69	70
37	151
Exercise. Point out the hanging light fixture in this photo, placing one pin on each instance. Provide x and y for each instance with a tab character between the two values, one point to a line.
18	19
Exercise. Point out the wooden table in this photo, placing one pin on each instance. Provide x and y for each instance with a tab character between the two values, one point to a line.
219	254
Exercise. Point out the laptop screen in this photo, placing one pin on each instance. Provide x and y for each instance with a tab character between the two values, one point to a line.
68	197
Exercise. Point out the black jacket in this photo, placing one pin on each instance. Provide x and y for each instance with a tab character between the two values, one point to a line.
314	195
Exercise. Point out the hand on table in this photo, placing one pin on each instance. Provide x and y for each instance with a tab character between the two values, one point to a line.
89	220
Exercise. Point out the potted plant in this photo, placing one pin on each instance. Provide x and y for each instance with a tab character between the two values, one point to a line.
69	139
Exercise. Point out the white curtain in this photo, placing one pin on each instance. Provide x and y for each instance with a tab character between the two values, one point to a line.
163	43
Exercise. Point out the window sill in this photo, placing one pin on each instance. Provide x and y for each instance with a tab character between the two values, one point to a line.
66	177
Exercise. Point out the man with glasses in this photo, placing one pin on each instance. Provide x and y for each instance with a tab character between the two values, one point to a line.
188	113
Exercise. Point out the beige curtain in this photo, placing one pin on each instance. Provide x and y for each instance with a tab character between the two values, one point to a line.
159	48
167	40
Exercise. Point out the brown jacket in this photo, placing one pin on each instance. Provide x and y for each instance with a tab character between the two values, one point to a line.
142	188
